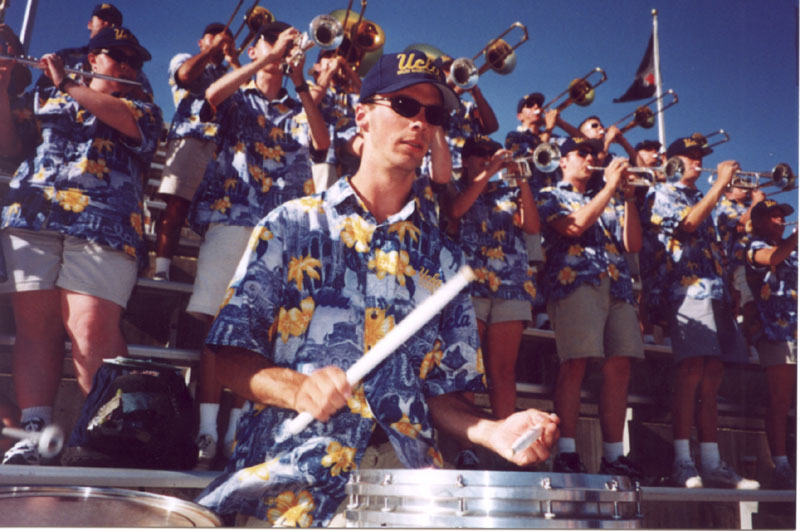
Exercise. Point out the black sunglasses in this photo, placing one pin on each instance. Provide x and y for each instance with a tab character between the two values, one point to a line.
408	107
482	153
595	125
530	102
134	61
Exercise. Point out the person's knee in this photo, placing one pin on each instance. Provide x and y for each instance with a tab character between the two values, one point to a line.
96	324
617	370
690	370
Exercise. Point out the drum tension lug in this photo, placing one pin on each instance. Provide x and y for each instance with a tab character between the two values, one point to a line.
613	485
546	485
638	488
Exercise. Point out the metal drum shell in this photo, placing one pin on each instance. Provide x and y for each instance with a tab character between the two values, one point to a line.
43	506
491	499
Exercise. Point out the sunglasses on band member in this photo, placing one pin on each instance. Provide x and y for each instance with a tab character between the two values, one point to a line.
134	61
530	102
595	125
408	107
481	153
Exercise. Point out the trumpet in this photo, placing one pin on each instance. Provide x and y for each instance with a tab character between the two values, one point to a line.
544	158
581	91
255	17
781	176
644	116
647	175
34	62
498	55
323	31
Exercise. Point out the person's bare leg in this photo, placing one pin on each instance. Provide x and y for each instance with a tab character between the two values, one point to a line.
502	342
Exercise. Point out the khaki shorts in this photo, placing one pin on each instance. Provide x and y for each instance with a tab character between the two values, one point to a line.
219	255
501	310
589	323
772	353
185	166
43	260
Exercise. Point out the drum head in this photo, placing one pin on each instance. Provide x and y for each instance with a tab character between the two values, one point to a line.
92	507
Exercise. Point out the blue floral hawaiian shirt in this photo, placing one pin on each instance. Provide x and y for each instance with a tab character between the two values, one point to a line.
692	261
734	244
776	300
599	251
462	123
263	160
490	234
522	143
189	101
338	109
81	177
321	283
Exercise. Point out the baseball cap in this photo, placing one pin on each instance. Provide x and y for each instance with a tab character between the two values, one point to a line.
575	143
648	144
763	209
118	38
537	97
685	144
217	27
479	143
395	71
109	13
271	30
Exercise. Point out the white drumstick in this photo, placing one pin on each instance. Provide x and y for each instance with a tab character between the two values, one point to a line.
526	439
50	439
396	337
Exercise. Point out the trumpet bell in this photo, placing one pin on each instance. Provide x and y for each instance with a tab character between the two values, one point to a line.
674	169
326	32
783	177
500	57
463	73
546	157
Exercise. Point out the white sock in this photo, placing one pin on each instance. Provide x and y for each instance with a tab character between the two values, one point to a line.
780	460
613	450
682	450
30	414
230	435
162	264
709	455
208	419
566	445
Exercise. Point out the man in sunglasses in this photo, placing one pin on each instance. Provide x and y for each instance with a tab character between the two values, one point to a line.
590	298
72	219
690	289
324	280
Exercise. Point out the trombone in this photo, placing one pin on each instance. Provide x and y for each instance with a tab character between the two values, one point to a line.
498	55
255	17
581	91
644	116
32	61
362	40
704	138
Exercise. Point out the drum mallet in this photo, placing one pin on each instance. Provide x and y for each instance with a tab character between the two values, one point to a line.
396	337
50	439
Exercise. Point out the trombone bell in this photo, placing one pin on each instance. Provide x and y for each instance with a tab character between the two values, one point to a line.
580	91
255	18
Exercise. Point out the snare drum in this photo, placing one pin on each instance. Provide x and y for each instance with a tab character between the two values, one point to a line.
92	507
491	499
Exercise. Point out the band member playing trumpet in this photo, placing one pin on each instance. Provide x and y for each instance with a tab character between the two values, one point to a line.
325	278
72	219
492	217
772	269
690	286
191	141
264	159
590	298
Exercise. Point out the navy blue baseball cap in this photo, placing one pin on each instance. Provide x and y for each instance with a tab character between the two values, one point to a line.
648	144
217	27
578	142
118	38
109	13
479	143
533	97
395	71
683	145
271	30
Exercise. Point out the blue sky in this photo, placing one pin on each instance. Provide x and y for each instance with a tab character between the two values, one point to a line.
733	63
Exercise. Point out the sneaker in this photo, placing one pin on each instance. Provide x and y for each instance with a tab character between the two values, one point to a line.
467	460
25	452
206	452
723	476
569	462
783	477
685	475
621	466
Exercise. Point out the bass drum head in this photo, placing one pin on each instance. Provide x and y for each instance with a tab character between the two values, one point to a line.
97	507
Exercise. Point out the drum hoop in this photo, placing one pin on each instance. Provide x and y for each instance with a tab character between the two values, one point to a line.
188	509
452	492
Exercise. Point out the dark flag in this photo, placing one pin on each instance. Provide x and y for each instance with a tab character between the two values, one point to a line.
644	85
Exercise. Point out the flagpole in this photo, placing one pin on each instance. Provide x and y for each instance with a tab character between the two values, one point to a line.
657	67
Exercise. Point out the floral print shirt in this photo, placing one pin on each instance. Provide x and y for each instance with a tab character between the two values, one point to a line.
493	241
599	251
339	112
80	176
776	299
263	160
692	261
321	283
734	245
189	101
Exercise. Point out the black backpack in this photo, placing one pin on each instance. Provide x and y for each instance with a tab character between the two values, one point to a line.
139	414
